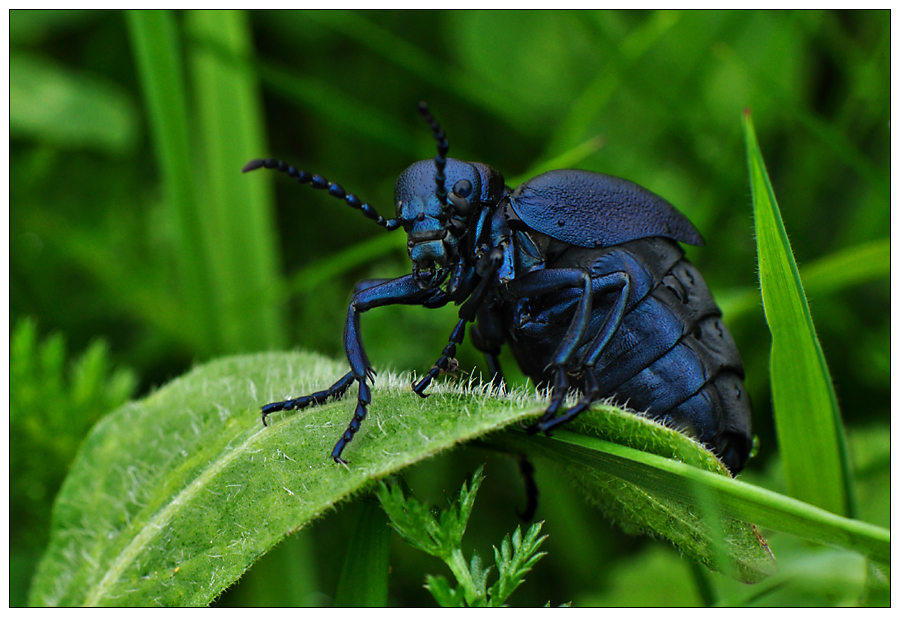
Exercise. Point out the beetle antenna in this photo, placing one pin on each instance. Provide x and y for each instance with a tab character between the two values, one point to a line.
318	182
442	147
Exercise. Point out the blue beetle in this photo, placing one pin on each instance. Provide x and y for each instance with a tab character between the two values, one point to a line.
579	273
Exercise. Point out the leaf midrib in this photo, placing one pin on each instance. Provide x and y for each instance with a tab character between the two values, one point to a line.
160	519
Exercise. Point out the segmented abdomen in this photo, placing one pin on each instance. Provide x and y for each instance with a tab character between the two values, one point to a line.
671	358
675	360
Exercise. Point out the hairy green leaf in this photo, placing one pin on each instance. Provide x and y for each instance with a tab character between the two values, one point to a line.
171	498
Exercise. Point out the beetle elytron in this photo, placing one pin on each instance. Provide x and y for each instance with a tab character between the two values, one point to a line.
579	273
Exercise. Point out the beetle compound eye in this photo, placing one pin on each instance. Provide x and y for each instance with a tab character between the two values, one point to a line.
463	188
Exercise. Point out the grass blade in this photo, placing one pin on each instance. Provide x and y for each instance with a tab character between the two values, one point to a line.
736	499
158	55
810	435
608	448
237	210
845	268
354	256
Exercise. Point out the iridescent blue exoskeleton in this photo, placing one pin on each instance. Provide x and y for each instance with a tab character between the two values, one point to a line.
579	273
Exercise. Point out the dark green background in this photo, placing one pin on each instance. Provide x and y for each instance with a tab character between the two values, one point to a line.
94	253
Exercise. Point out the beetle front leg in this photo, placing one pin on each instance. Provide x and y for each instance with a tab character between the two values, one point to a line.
403	290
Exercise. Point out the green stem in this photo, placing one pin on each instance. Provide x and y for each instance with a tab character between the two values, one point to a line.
457	563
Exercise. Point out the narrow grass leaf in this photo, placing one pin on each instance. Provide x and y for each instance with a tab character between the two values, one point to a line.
237	209
155	43
644	502
810	434
346	260
674	481
854	265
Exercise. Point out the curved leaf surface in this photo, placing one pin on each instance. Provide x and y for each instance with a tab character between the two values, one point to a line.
173	497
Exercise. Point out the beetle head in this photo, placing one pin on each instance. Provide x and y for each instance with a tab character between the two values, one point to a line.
434	226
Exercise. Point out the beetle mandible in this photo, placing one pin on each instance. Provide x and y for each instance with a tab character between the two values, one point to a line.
580	273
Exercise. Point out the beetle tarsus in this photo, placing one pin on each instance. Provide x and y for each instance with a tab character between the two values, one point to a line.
336	391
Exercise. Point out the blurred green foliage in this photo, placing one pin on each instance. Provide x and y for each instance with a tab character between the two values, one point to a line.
53	403
130	221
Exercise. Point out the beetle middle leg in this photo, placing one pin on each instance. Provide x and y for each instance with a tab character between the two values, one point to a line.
541	282
467	313
615	282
